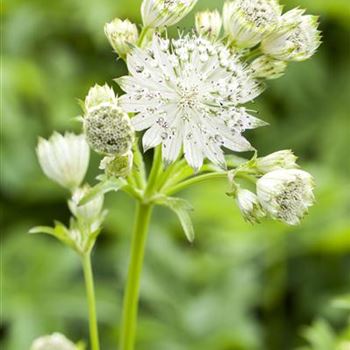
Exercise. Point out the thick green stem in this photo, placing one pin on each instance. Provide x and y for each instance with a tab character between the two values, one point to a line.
90	292
130	303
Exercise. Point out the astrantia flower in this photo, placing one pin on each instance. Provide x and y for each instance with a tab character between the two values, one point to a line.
64	159
286	194
160	13
247	21
100	94
121	34
188	93
208	24
297	38
265	67
282	159
249	205
55	341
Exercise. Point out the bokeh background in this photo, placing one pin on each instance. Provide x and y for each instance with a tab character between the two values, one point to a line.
238	287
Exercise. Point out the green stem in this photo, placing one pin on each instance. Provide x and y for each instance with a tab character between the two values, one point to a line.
90	292
130	303
153	176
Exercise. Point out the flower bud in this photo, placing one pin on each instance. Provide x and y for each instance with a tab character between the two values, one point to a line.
108	130
246	22
100	94
88	212
249	205
160	13
118	166
265	67
121	34
286	194
297	38
208	23
277	160
64	159
55	341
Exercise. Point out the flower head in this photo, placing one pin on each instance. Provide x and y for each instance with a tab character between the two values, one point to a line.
55	341
277	160
297	38
64	159
160	13
121	34
247	21
249	205
286	194
265	67
99	94
208	24
119	165
189	93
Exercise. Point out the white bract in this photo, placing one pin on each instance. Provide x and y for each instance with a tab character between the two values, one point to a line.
160	13
100	94
249	205
121	34
286	194
64	159
208	24
246	22
55	341
281	159
297	38
265	67
189	93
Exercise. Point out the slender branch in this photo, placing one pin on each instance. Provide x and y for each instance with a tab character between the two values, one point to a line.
153	176
130	303
90	292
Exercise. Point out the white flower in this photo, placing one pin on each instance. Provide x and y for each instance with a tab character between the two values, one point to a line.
297	38
265	67
64	159
208	24
189	94
88	212
277	160
99	94
248	21
286	194
55	341
249	205
160	13
121	34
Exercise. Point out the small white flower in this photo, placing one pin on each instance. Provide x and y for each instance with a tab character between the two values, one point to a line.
189	93
208	24
286	194
246	22
118	166
100	94
88	212
249	205
121	34
64	159
265	67
277	160
55	341
160	13
297	38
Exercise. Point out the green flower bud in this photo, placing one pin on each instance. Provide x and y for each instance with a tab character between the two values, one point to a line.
208	23
282	159
100	94
266	67
118	166
249	205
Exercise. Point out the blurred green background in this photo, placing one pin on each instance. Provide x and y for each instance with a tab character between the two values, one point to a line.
238	287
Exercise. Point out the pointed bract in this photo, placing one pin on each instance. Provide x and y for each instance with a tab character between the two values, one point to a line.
208	24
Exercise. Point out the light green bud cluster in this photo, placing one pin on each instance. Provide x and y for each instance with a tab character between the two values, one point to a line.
117	166
208	24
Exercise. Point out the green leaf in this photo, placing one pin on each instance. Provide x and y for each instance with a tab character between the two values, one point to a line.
181	208
43	229
106	185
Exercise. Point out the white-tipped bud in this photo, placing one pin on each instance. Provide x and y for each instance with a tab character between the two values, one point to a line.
55	341
282	159
249	205
160	13
286	194
121	35
100	94
265	67
108	130
89	212
246	22
208	24
118	166
64	159
296	39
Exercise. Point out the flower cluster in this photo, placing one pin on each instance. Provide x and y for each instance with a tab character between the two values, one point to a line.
55	341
